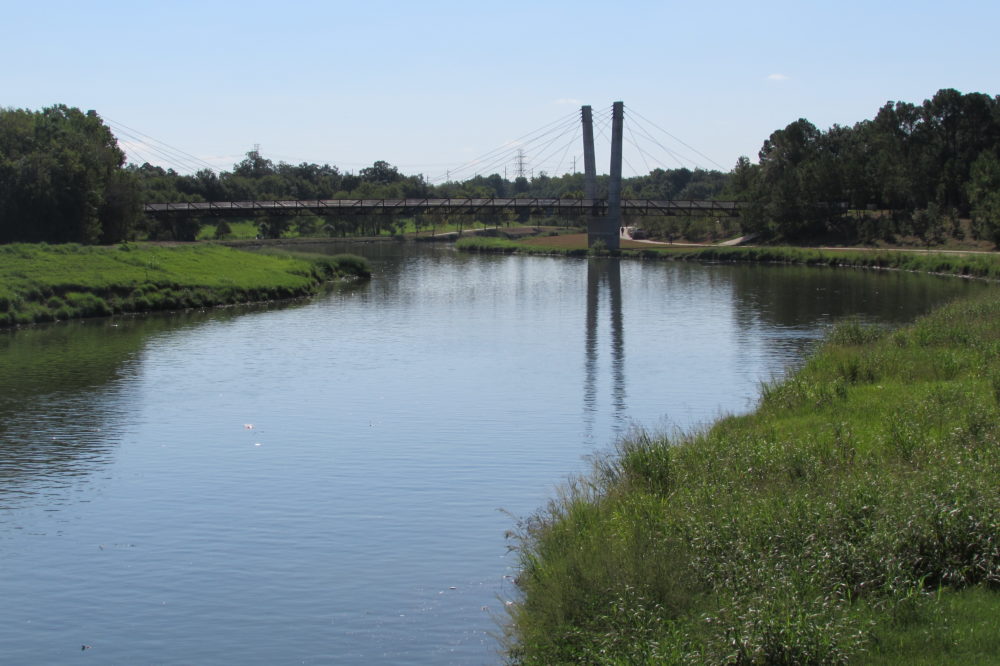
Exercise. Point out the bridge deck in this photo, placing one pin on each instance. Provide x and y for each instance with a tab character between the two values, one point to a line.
458	205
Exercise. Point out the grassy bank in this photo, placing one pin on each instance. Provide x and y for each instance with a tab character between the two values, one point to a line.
40	283
854	516
980	265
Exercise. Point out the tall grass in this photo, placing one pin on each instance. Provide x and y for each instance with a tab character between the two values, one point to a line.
818	529
54	282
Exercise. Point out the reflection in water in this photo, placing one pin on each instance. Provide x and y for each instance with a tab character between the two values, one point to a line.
604	273
61	403
66	390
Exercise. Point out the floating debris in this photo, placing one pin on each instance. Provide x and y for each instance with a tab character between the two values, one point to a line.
248	426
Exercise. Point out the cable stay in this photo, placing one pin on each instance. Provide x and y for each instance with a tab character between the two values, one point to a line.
548	148
647	133
174	157
505	153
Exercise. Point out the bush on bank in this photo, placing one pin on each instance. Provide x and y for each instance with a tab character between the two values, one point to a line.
821	528
40	283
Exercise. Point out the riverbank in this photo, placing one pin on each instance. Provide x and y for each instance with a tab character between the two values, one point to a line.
852	517
973	264
43	283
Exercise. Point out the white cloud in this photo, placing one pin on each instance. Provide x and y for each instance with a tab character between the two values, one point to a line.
777	77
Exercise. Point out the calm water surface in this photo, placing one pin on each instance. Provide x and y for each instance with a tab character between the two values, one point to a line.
359	519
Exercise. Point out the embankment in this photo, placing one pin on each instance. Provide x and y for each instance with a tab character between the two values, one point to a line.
41	283
852	517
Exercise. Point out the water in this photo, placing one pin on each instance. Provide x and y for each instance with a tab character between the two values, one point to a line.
359	519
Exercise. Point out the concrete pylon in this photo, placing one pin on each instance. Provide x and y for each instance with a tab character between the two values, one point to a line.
614	221
589	161
605	228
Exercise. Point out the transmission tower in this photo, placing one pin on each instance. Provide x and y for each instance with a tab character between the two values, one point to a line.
520	163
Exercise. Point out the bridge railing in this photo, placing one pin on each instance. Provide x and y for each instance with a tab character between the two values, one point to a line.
459	205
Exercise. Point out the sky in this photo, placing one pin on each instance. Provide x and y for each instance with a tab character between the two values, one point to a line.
433	87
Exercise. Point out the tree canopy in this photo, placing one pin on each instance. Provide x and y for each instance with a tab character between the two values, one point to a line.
61	178
919	163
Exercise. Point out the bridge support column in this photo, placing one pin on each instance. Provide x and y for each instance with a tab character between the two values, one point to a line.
606	229
589	161
590	176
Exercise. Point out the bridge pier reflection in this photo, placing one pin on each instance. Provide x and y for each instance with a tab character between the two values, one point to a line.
604	281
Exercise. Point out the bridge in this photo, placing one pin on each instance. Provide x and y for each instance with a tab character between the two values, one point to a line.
604	216
570	207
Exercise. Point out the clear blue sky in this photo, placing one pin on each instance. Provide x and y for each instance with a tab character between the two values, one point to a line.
431	85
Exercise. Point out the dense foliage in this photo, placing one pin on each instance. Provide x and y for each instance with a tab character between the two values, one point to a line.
911	170
258	178
61	178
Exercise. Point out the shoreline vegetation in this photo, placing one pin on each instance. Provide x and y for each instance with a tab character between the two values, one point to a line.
853	517
45	283
984	265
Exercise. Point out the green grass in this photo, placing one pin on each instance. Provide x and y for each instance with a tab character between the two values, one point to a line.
856	507
239	229
246	228
506	246
954	628
41	283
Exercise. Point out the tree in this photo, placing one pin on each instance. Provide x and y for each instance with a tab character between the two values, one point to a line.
381	173
983	191
254	166
789	194
61	178
929	224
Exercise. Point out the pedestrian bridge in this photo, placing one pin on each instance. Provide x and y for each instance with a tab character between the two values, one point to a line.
604	216
567	207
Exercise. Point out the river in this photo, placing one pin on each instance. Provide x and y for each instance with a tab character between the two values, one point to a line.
330	481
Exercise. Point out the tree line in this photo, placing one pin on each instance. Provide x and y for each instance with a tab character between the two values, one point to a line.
913	170
257	178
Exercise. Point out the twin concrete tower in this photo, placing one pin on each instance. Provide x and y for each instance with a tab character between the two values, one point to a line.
604	228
